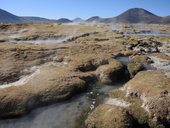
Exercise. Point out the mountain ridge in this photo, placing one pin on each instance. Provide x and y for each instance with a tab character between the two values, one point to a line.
8	17
133	15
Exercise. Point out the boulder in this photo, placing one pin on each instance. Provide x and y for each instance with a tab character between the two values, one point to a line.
109	116
110	73
51	84
141	59
153	88
133	106
148	83
86	62
14	58
16	103
134	68
159	110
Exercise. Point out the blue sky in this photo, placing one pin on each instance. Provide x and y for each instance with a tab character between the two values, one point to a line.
55	9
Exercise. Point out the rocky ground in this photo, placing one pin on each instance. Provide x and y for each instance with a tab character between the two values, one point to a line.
43	64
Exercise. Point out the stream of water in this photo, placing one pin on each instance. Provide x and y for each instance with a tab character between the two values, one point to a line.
68	114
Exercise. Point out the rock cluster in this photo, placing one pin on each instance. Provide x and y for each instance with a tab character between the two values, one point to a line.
110	73
143	46
55	79
51	84
148	97
32	75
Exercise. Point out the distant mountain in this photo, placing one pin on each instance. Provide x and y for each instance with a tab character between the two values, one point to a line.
63	20
94	19
36	19
134	15
8	17
78	20
138	15
166	19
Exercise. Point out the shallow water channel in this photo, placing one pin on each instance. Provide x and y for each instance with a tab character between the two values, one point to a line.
69	114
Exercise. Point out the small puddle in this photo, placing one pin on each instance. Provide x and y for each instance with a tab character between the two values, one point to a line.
123	59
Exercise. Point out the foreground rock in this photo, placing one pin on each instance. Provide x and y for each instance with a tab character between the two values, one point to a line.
134	68
109	116
111	72
51	84
145	98
152	88
158	109
141	59
14	58
59	73
88	62
143	46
